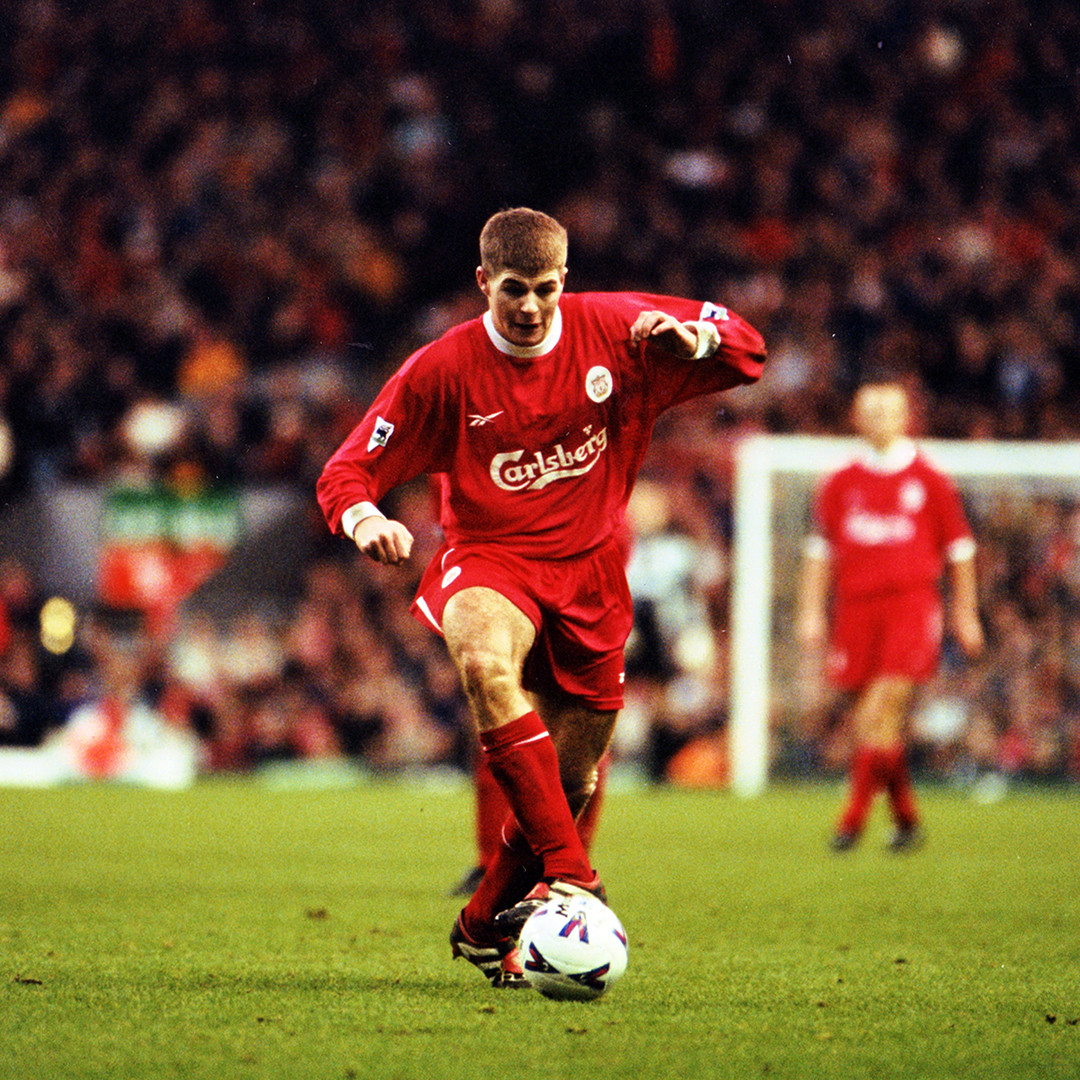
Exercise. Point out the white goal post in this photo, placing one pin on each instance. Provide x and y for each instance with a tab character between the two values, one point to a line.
762	460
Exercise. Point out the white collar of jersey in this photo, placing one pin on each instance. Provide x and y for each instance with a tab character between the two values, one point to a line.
525	352
892	460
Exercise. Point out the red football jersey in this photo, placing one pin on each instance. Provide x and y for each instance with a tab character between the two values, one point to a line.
890	524
536	449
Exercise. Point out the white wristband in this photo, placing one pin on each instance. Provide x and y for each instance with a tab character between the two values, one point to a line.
815	546
355	514
708	339
961	550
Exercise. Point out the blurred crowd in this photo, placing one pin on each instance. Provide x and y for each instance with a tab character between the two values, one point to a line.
223	224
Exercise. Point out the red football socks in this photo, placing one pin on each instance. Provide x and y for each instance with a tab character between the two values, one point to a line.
522	758
871	770
511	872
864	784
492	809
898	786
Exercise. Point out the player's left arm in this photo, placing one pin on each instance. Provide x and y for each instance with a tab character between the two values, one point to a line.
964	618
958	547
690	348
688	339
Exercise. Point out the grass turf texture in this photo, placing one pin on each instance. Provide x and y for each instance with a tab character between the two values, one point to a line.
237	931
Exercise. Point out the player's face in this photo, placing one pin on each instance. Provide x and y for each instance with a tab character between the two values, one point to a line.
881	414
521	307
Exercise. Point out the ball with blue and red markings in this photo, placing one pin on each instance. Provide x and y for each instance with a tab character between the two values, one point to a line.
573	948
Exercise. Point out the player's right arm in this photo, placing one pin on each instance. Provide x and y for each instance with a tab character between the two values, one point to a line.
811	616
816	573
382	539
396	441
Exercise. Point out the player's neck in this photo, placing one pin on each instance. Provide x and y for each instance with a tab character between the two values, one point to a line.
889	458
525	352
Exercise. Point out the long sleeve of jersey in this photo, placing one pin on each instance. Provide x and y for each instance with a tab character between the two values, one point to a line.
536	452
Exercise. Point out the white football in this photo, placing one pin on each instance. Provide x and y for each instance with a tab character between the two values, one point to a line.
573	948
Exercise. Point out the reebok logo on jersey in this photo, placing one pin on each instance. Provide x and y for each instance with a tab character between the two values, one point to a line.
381	433
512	471
476	420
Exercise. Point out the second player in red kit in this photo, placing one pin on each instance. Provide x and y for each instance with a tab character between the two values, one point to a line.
888	526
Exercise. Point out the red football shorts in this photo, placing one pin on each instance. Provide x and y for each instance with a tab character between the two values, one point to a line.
891	634
581	609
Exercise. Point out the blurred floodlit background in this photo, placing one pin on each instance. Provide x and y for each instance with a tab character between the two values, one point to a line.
223	224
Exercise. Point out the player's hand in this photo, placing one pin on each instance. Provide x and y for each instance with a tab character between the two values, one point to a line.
810	629
968	632
385	541
665	330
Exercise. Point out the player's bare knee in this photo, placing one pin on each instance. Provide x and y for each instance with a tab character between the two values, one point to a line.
487	677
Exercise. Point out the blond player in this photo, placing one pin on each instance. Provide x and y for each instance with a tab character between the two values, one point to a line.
888	528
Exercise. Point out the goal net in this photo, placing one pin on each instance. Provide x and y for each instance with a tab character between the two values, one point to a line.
1023	500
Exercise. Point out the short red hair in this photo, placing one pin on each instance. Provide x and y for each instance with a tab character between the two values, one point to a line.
526	241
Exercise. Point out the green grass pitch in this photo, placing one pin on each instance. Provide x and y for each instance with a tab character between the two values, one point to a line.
241	930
